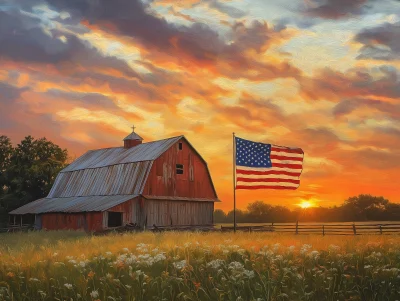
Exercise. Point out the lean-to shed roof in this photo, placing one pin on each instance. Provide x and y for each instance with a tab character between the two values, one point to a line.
73	204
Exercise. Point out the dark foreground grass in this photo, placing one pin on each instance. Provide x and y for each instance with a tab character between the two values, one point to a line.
190	266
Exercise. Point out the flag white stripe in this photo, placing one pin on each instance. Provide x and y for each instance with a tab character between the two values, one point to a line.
275	153
241	183
238	168
269	177
286	162
283	147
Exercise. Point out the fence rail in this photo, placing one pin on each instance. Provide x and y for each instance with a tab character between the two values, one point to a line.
17	228
324	229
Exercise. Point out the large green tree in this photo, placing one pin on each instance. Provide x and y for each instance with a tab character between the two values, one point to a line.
30	169
6	150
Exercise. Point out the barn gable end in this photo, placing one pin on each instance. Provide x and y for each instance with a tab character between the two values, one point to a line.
165	180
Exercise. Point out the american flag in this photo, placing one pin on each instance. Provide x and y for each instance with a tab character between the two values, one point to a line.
267	166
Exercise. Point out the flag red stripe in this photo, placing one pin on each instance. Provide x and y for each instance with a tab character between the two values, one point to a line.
268	180
271	172
287	150
286	158
265	187
294	166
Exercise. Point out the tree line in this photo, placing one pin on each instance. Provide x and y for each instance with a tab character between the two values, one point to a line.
27	171
363	207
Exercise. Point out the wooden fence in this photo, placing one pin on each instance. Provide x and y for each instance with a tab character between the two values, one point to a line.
17	228
323	229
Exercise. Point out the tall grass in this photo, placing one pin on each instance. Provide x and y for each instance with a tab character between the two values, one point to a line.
196	266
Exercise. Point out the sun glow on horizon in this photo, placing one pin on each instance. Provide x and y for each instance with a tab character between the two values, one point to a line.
306	204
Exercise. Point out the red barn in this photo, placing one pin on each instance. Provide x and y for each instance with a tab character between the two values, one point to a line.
160	183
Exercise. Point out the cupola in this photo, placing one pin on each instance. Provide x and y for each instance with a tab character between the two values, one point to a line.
132	139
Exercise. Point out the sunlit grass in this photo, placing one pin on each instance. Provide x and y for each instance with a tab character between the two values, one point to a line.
198	266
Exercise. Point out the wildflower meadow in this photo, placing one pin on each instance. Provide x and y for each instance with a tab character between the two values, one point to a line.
198	266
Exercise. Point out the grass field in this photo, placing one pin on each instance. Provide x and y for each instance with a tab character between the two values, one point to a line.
194	266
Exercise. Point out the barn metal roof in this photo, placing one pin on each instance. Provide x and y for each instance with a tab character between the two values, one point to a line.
120	179
118	155
178	198
73	204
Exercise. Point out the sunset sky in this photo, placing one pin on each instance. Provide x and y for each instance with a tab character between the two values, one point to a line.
322	75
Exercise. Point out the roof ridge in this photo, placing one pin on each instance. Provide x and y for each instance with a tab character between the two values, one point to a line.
112	147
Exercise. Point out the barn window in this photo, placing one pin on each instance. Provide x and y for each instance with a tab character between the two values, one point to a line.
191	173
179	169
114	219
180	146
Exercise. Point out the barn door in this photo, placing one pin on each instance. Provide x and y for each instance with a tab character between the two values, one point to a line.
38	221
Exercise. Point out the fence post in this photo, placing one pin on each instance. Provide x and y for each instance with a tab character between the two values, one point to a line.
323	230
297	227
354	229
380	229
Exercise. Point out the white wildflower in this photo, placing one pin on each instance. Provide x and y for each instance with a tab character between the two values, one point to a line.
34	280
291	249
68	286
314	254
94	294
333	248
216	264
126	250
276	247
249	274
235	265
159	257
180	264
139	273
304	249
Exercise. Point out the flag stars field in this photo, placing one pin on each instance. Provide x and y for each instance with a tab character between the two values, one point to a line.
263	166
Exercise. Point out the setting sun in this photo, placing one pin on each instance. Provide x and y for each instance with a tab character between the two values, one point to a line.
306	204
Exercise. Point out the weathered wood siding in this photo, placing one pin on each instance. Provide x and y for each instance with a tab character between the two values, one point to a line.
194	182
130	210
166	213
87	221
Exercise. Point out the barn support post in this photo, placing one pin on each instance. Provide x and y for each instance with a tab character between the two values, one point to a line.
234	183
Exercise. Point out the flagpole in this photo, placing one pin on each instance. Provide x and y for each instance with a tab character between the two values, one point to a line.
234	183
